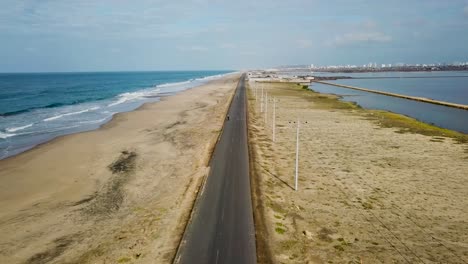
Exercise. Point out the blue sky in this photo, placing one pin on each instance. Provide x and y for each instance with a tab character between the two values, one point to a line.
108	35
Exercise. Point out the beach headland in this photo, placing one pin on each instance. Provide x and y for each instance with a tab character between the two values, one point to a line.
373	186
117	194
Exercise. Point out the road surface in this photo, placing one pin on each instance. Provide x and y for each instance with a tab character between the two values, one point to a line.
221	229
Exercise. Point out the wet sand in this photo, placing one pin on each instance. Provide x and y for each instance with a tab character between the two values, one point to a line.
121	193
368	192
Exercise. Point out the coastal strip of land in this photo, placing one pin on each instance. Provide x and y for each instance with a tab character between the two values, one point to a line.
414	98
119	194
373	186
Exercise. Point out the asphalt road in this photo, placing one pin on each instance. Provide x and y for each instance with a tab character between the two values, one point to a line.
221	229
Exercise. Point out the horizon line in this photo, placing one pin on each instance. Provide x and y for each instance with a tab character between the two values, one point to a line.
111	71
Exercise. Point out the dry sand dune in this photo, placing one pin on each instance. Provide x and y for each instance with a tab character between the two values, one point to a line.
367	194
118	194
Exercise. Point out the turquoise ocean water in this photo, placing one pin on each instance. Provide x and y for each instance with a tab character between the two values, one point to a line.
37	107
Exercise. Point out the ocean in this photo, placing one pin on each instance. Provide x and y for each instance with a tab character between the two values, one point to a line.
444	86
37	107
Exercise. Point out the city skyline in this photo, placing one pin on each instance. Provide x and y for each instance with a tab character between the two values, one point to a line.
389	65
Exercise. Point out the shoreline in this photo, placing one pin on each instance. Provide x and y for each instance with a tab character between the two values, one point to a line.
115	193
352	164
102	125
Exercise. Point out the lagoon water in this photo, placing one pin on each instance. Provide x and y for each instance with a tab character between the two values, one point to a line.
443	86
35	108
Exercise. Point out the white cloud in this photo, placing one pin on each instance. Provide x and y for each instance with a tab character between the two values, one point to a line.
361	37
304	43
368	24
103	18
228	46
248	53
193	48
30	49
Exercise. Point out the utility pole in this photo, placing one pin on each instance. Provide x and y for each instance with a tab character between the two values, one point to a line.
266	107
255	93
261	103
297	156
274	118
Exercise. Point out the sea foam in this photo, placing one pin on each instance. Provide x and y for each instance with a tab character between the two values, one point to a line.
72	113
6	135
173	84
14	129
125	97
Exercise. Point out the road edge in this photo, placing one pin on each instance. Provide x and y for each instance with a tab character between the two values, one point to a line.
262	248
176	257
